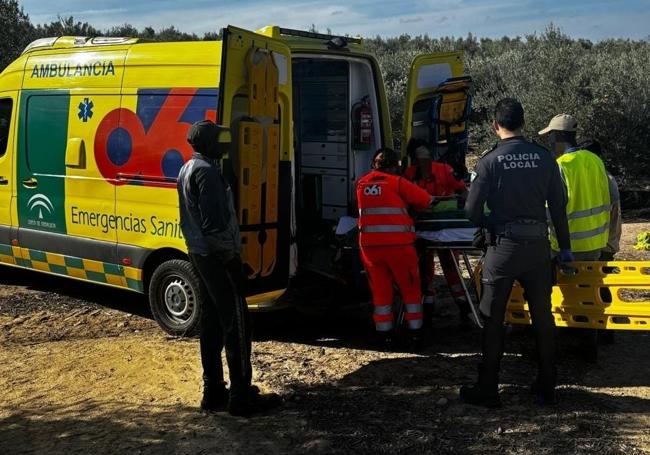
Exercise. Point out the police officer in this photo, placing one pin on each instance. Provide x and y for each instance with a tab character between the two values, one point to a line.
517	179
211	231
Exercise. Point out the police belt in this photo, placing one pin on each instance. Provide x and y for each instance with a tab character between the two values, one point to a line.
521	230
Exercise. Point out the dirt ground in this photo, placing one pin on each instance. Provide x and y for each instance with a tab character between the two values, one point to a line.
84	369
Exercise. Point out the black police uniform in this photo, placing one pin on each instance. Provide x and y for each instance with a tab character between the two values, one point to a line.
517	179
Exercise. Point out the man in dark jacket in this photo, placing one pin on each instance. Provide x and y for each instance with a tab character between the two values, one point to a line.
517	180
211	231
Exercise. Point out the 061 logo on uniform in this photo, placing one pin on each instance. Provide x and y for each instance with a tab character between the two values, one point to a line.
374	190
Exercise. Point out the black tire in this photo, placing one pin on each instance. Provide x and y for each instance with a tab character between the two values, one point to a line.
175	298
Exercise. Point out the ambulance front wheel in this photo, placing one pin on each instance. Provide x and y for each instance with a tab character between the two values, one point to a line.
175	298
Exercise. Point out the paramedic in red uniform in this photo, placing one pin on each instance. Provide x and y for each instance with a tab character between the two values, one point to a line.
386	238
439	180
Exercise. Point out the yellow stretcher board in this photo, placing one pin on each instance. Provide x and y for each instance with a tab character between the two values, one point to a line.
602	295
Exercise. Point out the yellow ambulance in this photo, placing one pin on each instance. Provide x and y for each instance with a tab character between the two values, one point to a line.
93	134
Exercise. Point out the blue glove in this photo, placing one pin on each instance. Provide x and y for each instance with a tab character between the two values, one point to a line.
565	256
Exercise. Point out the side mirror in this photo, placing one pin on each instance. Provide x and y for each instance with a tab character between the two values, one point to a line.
75	153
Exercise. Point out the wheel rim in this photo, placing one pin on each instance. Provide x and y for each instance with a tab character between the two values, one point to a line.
178	299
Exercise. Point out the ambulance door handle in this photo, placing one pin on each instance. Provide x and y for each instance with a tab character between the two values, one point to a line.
30	182
3	181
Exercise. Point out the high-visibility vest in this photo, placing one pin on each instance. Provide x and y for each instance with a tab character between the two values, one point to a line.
588	209
383	211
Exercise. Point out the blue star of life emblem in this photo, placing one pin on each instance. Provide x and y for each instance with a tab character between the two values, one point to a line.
85	109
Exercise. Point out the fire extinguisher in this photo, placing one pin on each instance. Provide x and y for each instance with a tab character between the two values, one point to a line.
362	124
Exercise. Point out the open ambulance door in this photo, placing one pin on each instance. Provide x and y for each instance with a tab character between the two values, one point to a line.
437	106
255	103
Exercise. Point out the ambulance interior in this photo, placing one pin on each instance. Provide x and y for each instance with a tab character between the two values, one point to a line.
329	159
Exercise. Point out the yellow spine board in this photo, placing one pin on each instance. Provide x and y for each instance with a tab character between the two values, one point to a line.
272	88
599	296
250	190
256	63
272	172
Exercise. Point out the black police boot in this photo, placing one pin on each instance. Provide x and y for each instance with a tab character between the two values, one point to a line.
215	396
543	396
253	402
478	397
484	393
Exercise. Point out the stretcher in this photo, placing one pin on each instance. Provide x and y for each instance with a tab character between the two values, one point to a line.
451	231
596	295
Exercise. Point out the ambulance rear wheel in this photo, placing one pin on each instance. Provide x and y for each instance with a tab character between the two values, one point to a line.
175	298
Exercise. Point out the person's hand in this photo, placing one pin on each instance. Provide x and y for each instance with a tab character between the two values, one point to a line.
565	256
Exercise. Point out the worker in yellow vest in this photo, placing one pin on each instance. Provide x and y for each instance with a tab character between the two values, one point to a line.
589	205
585	177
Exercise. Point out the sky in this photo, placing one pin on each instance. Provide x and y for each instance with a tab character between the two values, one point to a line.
591	19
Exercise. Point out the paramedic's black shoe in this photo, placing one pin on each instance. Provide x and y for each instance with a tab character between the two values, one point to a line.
386	341
254	403
474	395
464	322
416	340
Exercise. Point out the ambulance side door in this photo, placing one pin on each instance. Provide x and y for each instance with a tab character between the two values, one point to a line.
7	176
255	103
427	72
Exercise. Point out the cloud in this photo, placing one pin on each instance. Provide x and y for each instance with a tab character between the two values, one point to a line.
489	18
410	20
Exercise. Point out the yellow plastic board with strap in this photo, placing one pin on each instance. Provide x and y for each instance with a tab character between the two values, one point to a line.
452	109
602	295
272	172
250	191
251	252
272	88
249	172
256	63
268	252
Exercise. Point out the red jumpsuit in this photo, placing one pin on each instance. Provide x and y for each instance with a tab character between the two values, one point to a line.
386	238
441	182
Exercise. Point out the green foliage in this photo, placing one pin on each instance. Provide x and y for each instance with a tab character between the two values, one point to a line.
643	241
16	31
605	85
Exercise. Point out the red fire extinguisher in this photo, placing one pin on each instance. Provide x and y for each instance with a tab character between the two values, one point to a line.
362	124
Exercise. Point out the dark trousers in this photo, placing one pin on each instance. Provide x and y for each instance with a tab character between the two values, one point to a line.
529	263
224	322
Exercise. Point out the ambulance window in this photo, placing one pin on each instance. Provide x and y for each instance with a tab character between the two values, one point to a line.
5	120
46	137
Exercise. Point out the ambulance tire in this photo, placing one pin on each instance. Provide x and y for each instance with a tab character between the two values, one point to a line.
175	298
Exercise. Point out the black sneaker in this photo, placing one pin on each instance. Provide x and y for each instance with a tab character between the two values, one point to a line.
474	395
215	399
255	403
